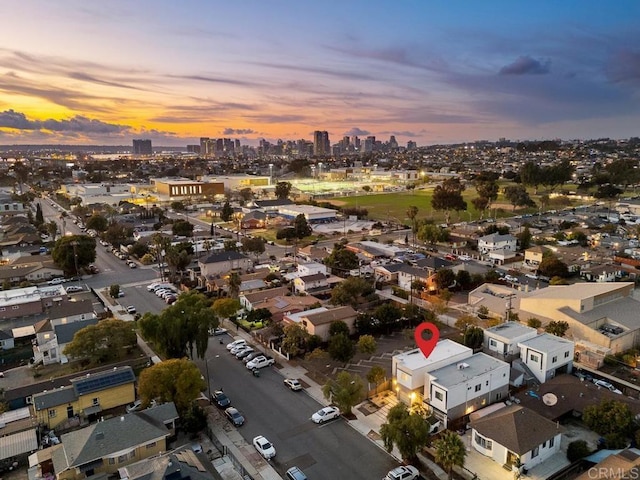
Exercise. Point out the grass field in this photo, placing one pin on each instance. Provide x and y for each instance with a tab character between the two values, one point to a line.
394	206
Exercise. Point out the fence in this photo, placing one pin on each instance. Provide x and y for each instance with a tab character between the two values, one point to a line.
226	452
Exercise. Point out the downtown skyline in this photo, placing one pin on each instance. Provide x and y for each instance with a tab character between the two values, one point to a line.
108	72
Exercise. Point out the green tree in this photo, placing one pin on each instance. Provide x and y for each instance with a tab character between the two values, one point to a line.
341	259
194	419
226	307
367	344
227	212
181	328
231	246
534	322
182	228
473	337
345	391
255	245
518	196
114	290
531	175
551	266
609	417
74	250
139	249
444	278
524	238
412	213
337	327
295	339
376	375
341	348
104	342
52	229
117	234
407	431
283	189
430	233
39	216
176	380
301	226
233	282
448	196
97	223
466	321
387	315
350	291
450	451
558	328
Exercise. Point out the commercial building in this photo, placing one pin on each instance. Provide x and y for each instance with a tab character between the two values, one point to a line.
142	147
177	188
311	213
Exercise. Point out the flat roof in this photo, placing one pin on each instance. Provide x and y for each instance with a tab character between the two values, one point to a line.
545	342
510	330
308	209
577	291
476	365
414	359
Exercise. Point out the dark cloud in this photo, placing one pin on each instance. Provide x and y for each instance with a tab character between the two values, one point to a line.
80	124
356	131
238	131
525	65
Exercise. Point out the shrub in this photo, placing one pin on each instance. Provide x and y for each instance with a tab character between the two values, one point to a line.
576	450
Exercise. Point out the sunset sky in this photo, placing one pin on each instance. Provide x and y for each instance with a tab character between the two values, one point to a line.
105	72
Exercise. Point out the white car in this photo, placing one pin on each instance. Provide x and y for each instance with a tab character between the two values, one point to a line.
293	383
510	278
241	348
264	447
131	309
56	281
464	258
532	276
135	406
607	385
325	414
260	361
73	288
405	472
236	343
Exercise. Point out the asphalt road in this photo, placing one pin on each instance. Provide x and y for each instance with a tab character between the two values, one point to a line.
324	452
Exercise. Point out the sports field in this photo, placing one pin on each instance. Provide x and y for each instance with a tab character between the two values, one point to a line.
393	206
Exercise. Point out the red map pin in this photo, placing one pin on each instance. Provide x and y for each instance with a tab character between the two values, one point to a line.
426	345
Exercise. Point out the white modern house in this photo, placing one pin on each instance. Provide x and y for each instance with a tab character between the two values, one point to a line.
547	355
516	437
409	369
460	388
503	339
498	247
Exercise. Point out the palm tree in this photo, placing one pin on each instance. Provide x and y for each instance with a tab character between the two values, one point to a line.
412	213
234	282
450	451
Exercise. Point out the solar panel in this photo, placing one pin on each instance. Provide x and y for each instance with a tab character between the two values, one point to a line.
98	382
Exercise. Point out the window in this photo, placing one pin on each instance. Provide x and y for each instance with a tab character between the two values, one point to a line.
132	454
122	458
551	441
566	354
493	343
478	387
483	442
150	445
15	307
498	396
535	452
554	359
2	309
439	396
534	358
544	444
112	461
95	402
52	413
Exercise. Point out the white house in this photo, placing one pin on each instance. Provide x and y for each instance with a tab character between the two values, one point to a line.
409	369
455	391
495	241
408	274
516	436
307	283
6	340
311	268
51	339
503	339
547	355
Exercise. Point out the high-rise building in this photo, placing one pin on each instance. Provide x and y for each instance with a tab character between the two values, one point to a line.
321	144
142	147
392	142
411	145
193	148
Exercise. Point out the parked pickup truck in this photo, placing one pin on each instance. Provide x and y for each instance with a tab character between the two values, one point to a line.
260	361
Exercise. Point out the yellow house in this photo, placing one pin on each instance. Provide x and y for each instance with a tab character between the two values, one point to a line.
86	397
104	447
533	255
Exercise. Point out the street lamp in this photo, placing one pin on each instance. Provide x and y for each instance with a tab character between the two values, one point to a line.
74	244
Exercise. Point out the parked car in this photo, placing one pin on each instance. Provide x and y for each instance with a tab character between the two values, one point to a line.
260	361
235	343
264	447
217	331
220	399
235	416
607	385
131	309
251	356
73	288
404	472
294	473
325	414
239	348
135	406
293	384
170	299
244	352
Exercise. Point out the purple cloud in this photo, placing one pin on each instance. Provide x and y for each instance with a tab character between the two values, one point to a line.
624	67
525	65
238	131
356	131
